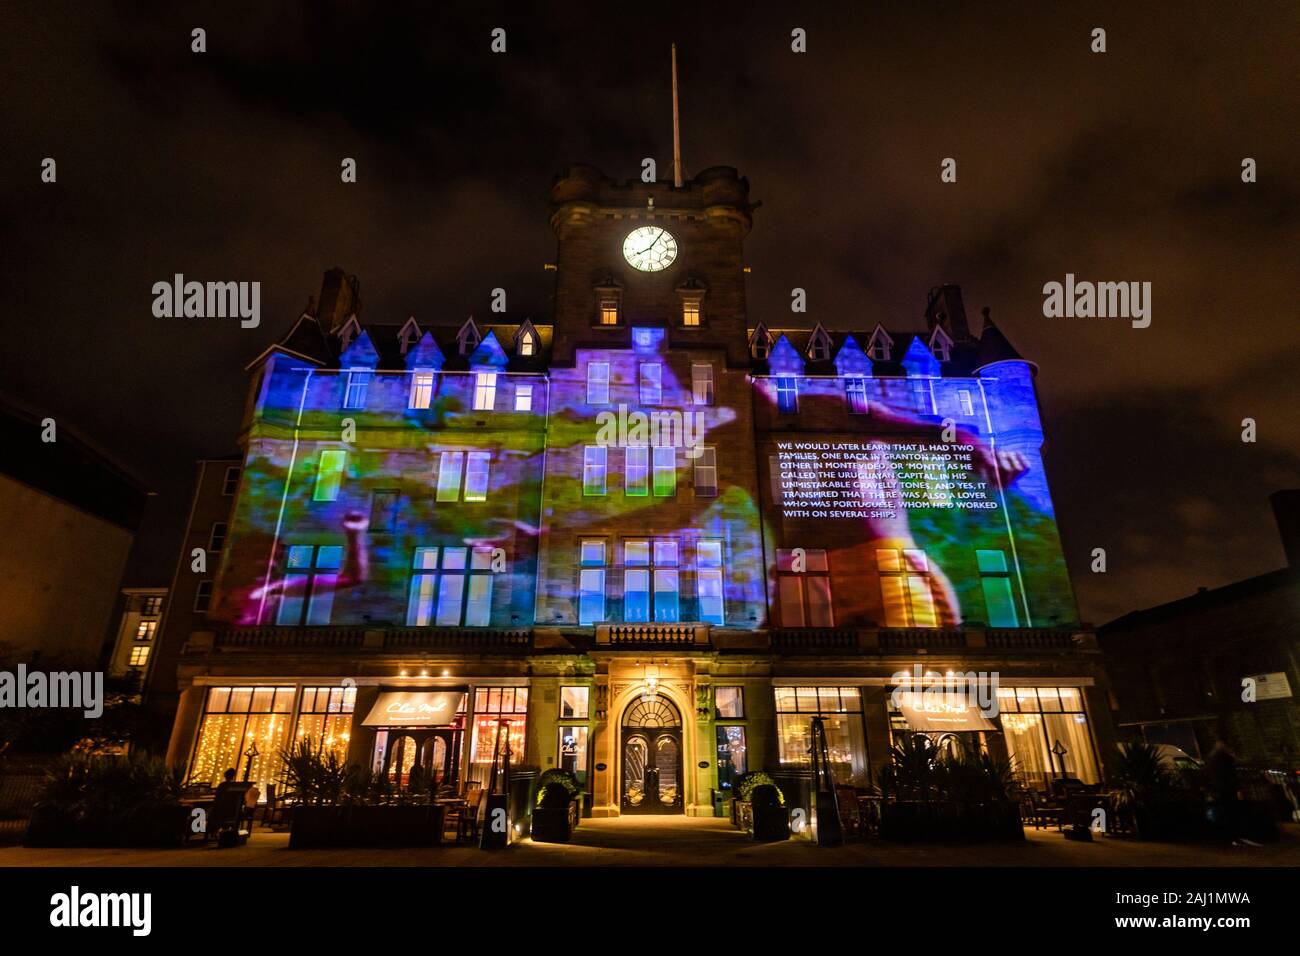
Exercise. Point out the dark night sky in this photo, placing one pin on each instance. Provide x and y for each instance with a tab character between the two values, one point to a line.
1122	166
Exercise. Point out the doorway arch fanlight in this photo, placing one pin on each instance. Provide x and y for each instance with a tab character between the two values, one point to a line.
652	756
652	711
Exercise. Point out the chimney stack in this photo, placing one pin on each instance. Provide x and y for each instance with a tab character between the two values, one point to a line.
340	297
945	308
1286	511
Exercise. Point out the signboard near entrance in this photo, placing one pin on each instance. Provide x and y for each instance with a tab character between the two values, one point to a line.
415	709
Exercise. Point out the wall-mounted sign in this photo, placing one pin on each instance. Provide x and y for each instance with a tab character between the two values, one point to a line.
600	767
1273	686
415	709
704	765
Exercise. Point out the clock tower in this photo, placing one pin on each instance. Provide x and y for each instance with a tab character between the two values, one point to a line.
650	254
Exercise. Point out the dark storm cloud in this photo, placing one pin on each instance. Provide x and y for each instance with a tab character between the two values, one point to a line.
1122	166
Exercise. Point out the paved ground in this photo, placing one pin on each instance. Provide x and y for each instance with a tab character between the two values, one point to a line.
681	841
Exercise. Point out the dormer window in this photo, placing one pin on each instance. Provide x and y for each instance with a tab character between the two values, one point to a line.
819	346
347	332
468	338
940	344
408	336
527	346
880	345
760	345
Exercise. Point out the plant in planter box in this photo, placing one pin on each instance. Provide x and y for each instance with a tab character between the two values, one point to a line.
771	818
1152	796
552	817
742	789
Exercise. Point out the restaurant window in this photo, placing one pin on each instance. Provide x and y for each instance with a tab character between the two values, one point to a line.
234	719
804	588
730	702
841	711
308	593
139	656
652	383
636	471
591	581
905	588
329	475
855	390
732	759
451	586
708	581
230	482
523	398
491	706
665	470
421	390
598	383
702	384
996	581
485	391
358	385
1034	720
787	394
573	751
595	459
651	581
574	703
325	719
706	472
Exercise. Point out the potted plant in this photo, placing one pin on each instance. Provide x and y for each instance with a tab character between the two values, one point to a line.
1153	797
743	788
771	819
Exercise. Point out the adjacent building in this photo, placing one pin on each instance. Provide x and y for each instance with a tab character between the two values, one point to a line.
647	540
137	633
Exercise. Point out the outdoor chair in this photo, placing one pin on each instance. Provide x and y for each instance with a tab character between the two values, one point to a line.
1043	813
226	816
850	813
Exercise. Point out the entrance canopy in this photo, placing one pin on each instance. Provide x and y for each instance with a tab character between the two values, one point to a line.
941	713
415	708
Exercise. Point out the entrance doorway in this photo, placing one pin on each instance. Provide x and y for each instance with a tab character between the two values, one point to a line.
652	757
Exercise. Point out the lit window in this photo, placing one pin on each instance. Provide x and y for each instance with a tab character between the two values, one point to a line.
996	581
702	384
523	398
905	588
236	718
963	397
591	582
708	563
665	470
230	484
310	577
202	596
152	607
636	473
598	383
609	312
691	312
855	389
787	394
449	468
485	391
593	469
476	475
217	537
732	758
325	719
139	656
730	702
841	711
645	566
652	391
424	583
492	707
574	703
358	385
526	344
421	390
706	473
573	751
145	630
803	588
329	476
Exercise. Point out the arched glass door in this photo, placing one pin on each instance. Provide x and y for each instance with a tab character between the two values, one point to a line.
652	757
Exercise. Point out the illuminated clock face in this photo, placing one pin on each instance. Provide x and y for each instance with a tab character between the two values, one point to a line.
649	249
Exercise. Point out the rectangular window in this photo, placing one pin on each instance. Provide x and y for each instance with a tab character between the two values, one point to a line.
485	391
358	385
841	711
691	313
145	630
732	759
523	398
652	383
598	383
706	472
730	702
492	707
787	394
573	752
702	384
217	536
310	576
329	474
648	566
708	581
963	398
526	347
855	390
442	590
424	582
609	312
804	588
574	703
421	390
325	719
591	581
152	607
230	483
139	656
478	607
665	471
636	471
203	597
1033	720
476	475
996	581
450	464
236	718
594	460
905	588
383	512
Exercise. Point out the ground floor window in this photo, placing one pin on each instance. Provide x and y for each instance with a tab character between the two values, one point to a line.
846	738
573	752
1047	734
244	728
732	758
325	719
492	705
